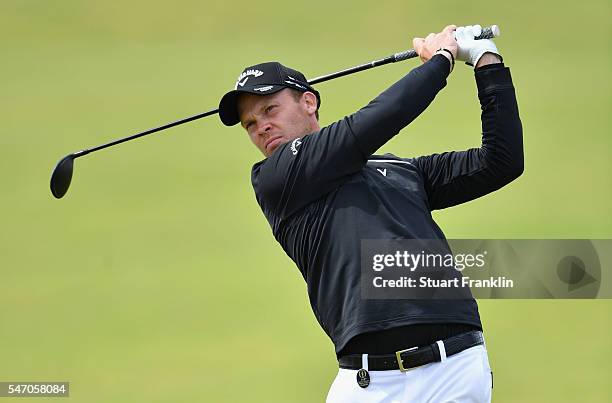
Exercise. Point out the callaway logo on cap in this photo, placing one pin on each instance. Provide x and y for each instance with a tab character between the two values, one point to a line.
262	79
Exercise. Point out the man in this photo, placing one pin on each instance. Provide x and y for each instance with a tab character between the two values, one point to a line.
323	191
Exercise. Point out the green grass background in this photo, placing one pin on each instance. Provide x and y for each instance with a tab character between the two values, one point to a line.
157	279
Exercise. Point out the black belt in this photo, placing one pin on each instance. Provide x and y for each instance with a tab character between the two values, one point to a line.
415	356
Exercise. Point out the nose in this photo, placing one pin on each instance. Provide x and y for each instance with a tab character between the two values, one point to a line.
264	128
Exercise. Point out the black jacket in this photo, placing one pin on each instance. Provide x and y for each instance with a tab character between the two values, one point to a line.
322	194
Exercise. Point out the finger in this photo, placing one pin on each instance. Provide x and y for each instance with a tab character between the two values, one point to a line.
468	32
449	28
449	32
477	30
460	33
417	44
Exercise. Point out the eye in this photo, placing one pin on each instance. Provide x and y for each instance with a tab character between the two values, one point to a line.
269	108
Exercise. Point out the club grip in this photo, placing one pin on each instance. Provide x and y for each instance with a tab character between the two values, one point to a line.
407	54
487	33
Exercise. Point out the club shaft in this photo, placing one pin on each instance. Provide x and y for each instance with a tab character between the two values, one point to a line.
149	131
487	33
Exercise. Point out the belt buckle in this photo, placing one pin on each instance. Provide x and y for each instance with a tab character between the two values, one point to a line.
400	362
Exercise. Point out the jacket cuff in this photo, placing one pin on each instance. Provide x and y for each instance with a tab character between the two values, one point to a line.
442	64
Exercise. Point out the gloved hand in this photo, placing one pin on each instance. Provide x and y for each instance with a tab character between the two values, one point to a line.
471	50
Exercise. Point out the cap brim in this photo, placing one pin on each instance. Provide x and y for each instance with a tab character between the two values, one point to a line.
228	107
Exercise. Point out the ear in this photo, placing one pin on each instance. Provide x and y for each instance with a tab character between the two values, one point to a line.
310	100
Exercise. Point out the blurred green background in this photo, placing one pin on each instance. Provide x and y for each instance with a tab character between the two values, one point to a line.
157	279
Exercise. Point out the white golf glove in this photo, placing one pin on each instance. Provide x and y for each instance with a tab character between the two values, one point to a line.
471	50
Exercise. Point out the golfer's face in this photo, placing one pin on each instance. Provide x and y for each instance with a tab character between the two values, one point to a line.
272	120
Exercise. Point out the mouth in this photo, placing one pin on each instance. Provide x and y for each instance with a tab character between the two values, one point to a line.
273	142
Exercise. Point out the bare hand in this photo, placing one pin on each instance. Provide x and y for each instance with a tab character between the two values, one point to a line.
427	47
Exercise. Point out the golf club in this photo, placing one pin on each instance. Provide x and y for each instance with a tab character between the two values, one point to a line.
62	174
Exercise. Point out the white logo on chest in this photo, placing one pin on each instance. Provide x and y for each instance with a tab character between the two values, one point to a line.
382	171
294	145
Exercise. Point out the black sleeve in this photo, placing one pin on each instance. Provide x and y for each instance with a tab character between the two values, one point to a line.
302	171
454	177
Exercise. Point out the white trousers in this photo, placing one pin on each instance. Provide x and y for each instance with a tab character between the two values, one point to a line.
462	378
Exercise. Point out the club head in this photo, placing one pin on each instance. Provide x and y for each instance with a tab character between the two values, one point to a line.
61	176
